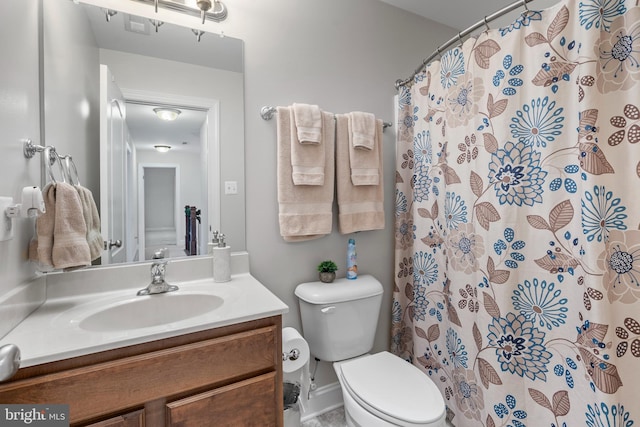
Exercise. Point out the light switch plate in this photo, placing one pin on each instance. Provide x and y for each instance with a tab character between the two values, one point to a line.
6	223
230	187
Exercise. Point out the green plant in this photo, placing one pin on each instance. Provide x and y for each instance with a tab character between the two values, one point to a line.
327	266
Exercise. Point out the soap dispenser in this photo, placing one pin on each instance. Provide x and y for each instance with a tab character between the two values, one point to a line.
214	242
221	261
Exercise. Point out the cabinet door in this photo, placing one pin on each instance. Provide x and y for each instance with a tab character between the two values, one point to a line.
132	419
245	403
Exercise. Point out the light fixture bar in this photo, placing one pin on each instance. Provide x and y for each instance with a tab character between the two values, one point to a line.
217	13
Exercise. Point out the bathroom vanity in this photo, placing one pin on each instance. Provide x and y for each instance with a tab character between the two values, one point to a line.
117	363
222	376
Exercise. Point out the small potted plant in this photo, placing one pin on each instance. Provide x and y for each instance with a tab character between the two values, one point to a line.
327	271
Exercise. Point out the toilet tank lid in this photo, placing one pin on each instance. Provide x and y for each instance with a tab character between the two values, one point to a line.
339	291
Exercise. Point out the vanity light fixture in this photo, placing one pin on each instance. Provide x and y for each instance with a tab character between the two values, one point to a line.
162	148
108	13
198	33
168	114
213	10
156	24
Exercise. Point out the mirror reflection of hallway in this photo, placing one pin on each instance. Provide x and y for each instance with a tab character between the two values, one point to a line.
160	198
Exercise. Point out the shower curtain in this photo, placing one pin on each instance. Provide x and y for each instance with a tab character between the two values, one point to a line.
517	216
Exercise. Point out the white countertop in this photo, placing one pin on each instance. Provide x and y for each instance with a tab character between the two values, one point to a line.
53	331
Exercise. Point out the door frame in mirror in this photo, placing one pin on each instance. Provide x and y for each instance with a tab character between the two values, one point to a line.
213	215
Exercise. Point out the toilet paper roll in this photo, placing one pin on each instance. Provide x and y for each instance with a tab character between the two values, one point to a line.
291	341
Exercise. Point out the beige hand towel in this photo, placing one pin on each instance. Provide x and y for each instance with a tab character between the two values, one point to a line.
364	163
40	248
305	212
307	155
70	247
308	121
364	130
360	207
92	220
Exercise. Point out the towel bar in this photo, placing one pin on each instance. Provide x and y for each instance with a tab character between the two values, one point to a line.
267	113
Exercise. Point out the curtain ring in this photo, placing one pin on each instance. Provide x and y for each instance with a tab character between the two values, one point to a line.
460	38
439	52
524	4
486	24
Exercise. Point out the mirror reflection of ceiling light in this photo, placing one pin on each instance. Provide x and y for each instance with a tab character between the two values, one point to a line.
162	148
168	114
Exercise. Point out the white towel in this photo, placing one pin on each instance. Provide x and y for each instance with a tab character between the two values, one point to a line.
70	246
305	211
61	241
308	121
360	207
307	149
364	130
92	220
364	163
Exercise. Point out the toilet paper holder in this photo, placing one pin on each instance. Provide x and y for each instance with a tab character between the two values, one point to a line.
294	354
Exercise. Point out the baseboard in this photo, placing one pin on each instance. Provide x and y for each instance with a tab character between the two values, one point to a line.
321	400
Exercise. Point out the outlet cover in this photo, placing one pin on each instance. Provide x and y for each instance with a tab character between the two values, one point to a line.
230	187
6	223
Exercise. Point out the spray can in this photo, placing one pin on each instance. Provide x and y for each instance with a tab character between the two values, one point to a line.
352	263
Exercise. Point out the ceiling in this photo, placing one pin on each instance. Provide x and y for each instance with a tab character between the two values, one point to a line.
147	129
459	14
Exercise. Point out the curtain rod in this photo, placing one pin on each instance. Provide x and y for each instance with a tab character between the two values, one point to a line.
458	38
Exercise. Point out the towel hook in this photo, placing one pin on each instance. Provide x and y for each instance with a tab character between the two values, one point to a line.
51	153
486	24
70	170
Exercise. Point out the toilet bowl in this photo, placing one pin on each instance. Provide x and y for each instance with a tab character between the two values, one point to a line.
382	390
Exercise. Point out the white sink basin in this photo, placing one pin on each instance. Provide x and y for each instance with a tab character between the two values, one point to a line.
147	311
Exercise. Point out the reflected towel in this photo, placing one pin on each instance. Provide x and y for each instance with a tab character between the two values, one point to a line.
92	220
70	247
305	212
307	149
364	163
361	207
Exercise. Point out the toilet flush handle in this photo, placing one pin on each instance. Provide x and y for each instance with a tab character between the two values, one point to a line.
328	310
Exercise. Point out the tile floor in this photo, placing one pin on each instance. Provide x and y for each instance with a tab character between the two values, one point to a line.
333	418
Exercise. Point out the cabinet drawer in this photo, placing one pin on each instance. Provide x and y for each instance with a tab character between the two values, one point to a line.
106	388
133	419
245	403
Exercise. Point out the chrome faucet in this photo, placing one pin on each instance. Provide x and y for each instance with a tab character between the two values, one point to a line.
158	284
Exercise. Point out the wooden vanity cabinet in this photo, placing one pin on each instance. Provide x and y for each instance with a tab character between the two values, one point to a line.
228	376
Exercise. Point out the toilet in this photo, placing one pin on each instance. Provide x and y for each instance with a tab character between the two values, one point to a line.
339	322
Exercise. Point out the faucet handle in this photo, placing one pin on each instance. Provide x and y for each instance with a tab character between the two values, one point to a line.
158	269
159	261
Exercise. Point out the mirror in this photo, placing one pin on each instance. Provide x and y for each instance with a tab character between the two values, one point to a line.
154	203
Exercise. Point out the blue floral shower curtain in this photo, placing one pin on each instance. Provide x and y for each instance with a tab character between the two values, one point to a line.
517	220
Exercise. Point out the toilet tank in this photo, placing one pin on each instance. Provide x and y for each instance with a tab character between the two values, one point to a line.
339	319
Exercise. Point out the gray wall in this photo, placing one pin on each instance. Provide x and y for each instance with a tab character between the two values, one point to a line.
71	120
344	56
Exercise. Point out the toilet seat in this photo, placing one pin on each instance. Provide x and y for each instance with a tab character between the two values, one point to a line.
392	389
